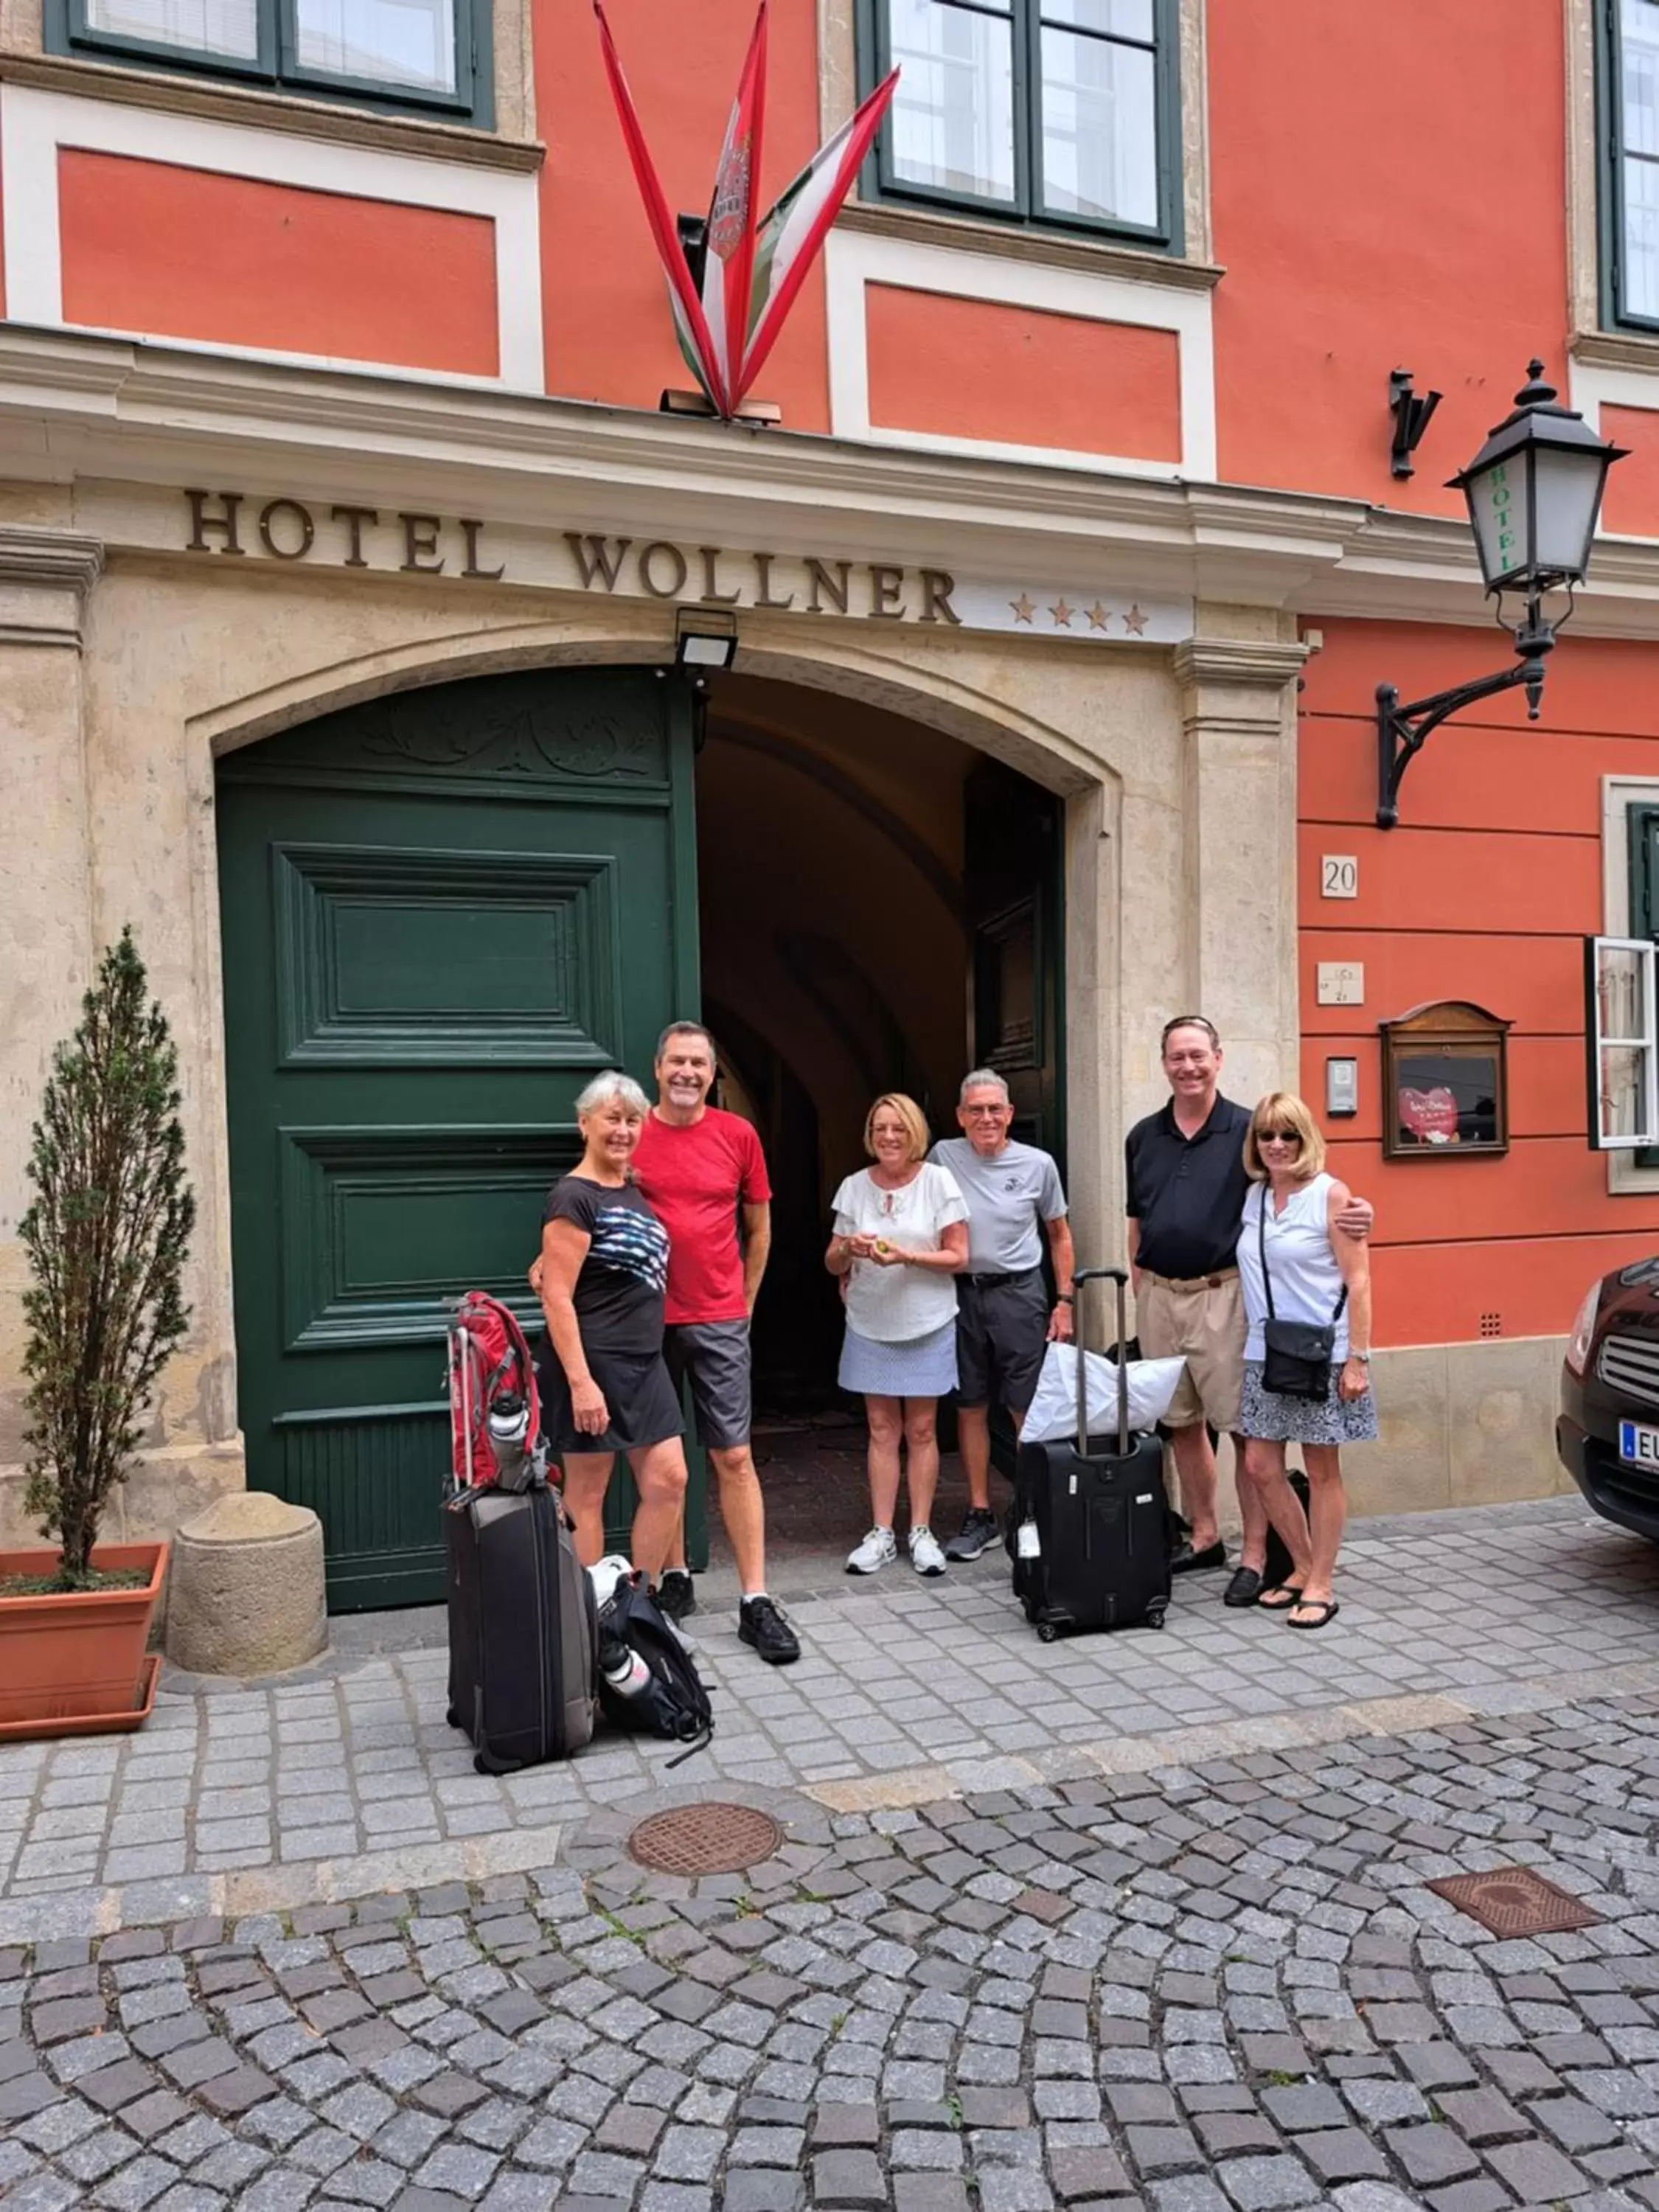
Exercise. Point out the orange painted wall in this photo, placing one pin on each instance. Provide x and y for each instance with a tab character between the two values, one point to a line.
974	369
609	334
1631	506
1485	892
1387	192
187	254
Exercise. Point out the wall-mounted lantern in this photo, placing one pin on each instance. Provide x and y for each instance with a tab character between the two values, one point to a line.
1533	493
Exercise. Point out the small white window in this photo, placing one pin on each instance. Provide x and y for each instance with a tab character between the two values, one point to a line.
1622	1036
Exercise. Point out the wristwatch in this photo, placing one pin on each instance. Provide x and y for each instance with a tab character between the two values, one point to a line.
1064	1298
1363	1357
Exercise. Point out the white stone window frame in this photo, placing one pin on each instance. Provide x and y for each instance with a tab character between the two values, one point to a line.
838	96
854	260
1620	794
36	126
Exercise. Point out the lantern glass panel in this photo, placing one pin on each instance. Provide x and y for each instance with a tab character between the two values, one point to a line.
1568	484
1496	495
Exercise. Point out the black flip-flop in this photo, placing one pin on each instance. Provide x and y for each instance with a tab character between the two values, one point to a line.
1287	1591
1327	1608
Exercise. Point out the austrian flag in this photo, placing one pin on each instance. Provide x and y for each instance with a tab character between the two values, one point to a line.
728	322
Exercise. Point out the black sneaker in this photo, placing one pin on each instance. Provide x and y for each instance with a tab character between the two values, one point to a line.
978	1532
675	1597
759	1622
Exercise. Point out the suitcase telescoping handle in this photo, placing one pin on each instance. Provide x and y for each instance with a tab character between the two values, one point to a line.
1119	1276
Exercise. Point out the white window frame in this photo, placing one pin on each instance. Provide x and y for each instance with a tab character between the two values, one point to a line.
1598	1042
1626	1178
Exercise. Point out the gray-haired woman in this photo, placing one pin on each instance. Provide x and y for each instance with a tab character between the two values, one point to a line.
605	1388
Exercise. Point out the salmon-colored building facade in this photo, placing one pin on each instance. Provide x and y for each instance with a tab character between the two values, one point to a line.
334	482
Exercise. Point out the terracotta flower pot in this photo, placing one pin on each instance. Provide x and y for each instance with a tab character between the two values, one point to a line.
75	1658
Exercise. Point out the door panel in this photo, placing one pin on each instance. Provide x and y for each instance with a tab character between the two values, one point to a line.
442	914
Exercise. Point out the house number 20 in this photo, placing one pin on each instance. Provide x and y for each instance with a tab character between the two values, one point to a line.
1339	874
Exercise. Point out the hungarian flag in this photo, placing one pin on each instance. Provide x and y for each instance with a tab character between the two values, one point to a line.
748	281
691	324
794	230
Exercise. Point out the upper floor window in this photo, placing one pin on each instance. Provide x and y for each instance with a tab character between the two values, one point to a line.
393	53
1059	111
1629	86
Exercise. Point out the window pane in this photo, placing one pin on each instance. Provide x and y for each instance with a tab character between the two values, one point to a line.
408	42
953	113
1123	18
1623	1090
1639	42
1641	271
230	27
1099	130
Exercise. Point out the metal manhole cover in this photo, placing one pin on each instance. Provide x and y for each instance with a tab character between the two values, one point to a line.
1515	1901
705	1839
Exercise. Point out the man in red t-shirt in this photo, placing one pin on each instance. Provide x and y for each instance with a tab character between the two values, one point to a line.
696	1167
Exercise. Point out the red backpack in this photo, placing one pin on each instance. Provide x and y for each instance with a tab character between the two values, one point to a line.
488	1358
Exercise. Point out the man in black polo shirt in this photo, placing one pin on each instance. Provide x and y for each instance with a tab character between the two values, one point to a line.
1186	1192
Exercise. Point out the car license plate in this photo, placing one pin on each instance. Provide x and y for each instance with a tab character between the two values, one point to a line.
1638	1445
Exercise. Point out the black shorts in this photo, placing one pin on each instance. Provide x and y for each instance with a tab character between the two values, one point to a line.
713	1356
1002	1333
642	1402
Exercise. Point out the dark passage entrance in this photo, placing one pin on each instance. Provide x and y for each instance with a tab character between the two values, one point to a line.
880	910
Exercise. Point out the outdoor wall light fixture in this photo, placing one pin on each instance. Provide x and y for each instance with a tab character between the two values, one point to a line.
703	638
1533	493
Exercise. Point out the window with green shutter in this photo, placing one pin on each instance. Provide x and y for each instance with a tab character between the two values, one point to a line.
1058	112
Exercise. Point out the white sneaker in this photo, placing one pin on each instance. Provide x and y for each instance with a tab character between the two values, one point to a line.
879	1549
925	1556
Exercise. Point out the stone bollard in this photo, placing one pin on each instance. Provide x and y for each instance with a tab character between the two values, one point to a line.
246	1592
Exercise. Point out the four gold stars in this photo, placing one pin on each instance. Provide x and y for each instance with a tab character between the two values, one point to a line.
1098	617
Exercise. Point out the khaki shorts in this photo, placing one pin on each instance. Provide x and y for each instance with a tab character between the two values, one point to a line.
1204	1326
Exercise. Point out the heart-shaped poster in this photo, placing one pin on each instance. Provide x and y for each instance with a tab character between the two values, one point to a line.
1430	1115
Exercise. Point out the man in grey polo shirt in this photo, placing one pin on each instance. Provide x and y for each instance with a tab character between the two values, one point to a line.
1004	1320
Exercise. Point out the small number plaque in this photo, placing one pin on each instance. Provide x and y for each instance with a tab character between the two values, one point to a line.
1339	876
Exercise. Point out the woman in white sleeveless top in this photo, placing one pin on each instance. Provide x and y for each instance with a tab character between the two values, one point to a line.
1320	1277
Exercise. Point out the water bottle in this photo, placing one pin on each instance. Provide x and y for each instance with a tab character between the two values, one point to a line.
509	1434
623	1669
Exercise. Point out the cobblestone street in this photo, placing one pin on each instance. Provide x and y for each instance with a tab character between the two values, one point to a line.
1149	1928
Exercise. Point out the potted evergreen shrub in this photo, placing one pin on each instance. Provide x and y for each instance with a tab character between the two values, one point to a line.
106	1236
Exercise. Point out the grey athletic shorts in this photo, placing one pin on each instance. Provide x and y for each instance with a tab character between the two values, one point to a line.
1002	1333
713	1356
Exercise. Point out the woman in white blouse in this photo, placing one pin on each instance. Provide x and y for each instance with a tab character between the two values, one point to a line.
901	1235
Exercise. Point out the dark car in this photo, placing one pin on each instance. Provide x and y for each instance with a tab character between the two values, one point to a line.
1608	1434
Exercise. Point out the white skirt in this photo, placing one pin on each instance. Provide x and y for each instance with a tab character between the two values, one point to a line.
921	1367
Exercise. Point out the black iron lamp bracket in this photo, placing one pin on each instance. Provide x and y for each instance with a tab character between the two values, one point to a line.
1411	419
1402	732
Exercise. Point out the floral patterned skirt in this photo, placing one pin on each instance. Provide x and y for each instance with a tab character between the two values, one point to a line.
1278	1419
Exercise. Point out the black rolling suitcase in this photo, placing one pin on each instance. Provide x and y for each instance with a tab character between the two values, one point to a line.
523	1632
1090	1527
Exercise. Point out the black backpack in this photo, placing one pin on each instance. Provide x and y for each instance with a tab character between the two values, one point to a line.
673	1703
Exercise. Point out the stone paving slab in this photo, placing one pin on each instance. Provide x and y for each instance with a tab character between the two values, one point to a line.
331	1782
1223	1988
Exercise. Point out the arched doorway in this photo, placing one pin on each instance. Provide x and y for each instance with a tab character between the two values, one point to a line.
443	910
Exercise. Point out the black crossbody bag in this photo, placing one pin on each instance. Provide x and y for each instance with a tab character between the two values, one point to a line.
1299	1352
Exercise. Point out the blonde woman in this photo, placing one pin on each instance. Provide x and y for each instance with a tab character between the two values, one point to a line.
605	1388
901	1236
1297	1266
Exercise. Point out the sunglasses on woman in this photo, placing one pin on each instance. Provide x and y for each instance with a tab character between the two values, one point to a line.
1278	1136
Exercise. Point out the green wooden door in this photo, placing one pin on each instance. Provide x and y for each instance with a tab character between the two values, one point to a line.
442	914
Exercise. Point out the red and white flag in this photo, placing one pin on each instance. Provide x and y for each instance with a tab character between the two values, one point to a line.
751	277
690	321
795	228
729	241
